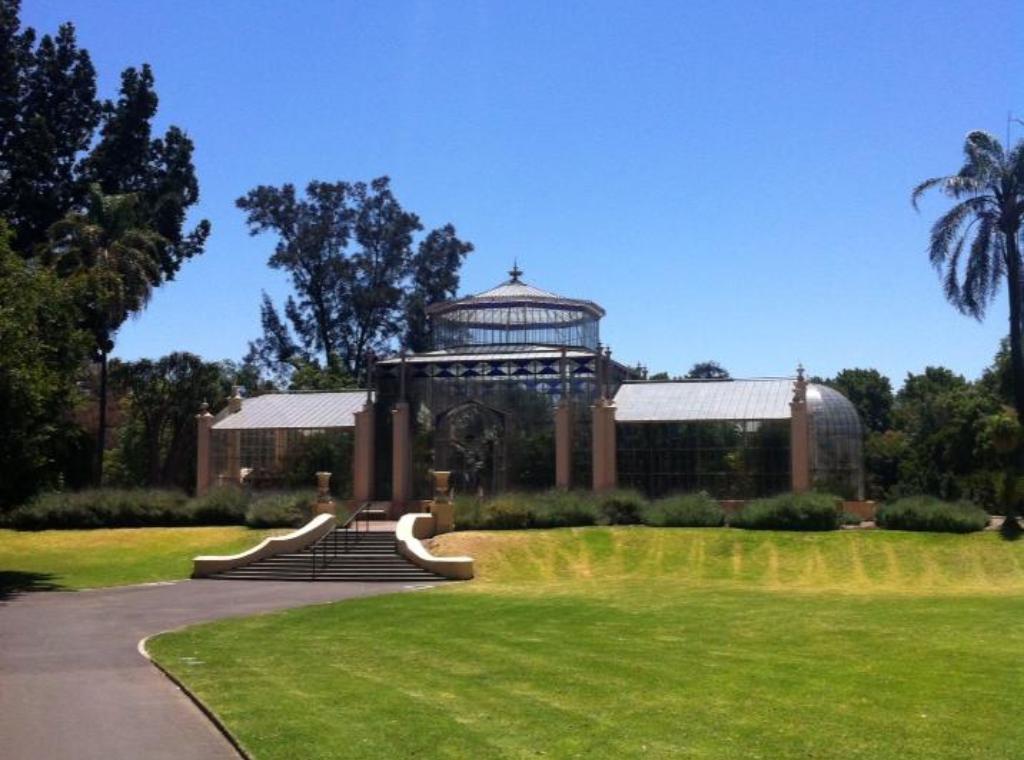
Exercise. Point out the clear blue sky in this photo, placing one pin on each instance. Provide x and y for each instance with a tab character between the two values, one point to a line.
730	180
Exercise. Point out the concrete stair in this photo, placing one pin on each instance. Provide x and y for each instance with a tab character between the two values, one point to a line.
343	555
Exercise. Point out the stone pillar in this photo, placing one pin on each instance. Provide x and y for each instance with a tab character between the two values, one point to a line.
442	508
235	402
401	455
563	445
363	455
799	436
204	432
605	473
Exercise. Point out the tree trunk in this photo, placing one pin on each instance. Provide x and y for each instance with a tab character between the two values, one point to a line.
101	433
1013	275
153	463
1014	286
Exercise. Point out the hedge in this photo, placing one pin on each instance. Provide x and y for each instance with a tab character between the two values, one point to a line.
790	511
102	508
698	510
140	507
926	513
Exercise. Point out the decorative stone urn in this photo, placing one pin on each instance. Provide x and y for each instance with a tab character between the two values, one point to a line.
441	507
324	502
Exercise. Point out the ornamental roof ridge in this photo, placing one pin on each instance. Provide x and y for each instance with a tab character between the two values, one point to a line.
514	291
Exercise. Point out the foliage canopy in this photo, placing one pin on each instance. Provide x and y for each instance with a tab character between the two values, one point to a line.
359	282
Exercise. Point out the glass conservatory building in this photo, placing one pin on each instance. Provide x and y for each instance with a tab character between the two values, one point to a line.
482	403
732	438
280	440
517	392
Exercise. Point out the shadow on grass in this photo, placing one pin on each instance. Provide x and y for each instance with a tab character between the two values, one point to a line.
14	582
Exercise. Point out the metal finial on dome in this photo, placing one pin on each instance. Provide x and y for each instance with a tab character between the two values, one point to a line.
515	272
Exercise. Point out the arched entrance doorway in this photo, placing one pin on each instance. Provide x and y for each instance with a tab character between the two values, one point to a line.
470	442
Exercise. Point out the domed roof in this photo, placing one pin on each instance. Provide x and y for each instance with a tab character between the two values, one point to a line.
831	412
516	304
836	442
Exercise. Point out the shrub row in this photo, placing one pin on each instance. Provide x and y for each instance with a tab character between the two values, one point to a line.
133	508
795	512
112	507
562	509
931	514
790	511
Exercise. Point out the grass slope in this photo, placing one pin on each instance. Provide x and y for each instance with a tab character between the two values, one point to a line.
637	642
839	561
75	559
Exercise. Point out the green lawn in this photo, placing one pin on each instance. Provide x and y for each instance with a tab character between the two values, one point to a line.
75	559
627	642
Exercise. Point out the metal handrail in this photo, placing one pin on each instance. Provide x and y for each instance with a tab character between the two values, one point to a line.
330	554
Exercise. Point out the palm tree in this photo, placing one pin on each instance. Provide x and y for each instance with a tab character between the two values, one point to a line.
976	244
111	255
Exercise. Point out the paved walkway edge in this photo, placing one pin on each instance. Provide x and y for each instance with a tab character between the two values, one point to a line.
210	714
94	668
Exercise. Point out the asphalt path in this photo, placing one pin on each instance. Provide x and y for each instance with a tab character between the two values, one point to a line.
74	684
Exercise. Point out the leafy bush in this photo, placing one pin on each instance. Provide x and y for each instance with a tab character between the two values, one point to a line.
849	518
468	512
517	511
931	514
223	505
621	507
129	508
102	508
507	512
790	511
696	510
280	509
563	509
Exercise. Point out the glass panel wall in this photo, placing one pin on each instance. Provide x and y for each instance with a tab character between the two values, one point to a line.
450	334
728	459
836	433
490	422
283	458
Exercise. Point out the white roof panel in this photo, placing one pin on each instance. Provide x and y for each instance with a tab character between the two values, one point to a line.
295	410
704	400
516	289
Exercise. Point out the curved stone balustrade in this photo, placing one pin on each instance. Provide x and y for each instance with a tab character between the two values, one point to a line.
414	527
295	541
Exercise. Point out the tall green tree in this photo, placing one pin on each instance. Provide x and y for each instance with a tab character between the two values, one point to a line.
158	171
56	139
111	258
435	277
998	377
57	143
48	114
976	244
43	348
945	421
359	283
157	446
